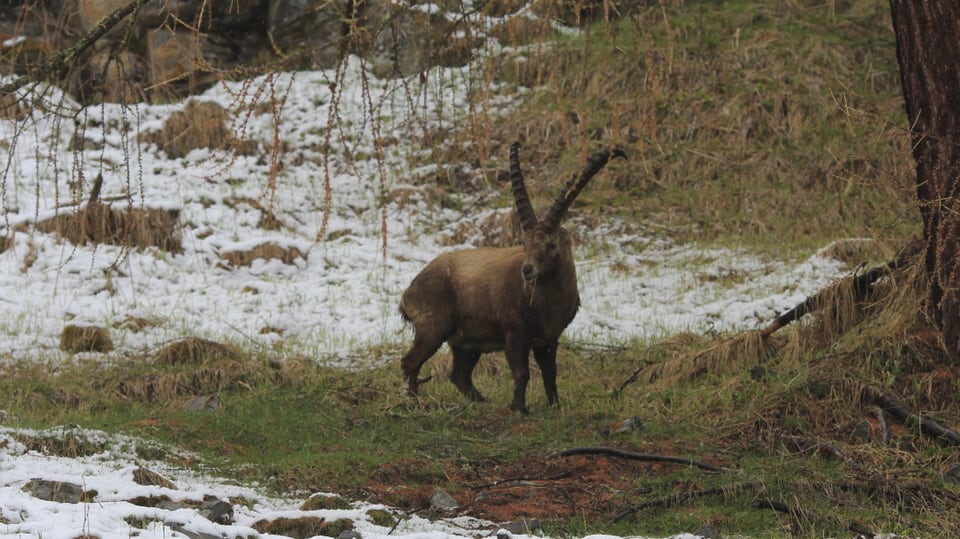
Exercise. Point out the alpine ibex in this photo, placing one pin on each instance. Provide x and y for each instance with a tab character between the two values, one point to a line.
514	299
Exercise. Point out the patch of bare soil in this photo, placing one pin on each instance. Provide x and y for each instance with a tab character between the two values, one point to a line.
537	487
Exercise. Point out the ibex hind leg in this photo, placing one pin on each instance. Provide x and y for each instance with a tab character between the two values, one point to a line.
464	361
547	361
422	349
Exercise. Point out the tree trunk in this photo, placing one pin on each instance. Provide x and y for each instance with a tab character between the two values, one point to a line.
928	50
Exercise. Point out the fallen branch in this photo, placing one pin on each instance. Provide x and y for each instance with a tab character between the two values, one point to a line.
899	411
861	285
614	452
681	497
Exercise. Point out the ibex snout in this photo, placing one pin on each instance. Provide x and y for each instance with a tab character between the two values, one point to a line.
529	272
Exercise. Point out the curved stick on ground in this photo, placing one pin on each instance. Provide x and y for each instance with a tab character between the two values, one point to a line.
898	410
630	455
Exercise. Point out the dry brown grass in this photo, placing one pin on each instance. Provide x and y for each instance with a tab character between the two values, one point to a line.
727	120
128	227
194	351
265	251
204	367
75	339
201	124
13	108
890	311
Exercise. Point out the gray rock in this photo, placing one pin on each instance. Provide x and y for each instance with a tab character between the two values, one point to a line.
442	501
58	491
630	424
177	527
319	25
220	512
708	532
204	403
524	526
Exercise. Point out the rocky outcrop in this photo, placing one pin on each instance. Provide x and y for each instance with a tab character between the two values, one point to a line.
173	48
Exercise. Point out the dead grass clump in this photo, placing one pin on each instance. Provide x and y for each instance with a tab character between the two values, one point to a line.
856	251
207	379
75	339
490	367
136	324
303	527
12	107
144	476
194	351
723	355
62	443
201	124
131	227
265	251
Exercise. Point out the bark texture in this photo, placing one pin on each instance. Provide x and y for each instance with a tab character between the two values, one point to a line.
928	51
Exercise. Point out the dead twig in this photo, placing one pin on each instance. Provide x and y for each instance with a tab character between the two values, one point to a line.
520	481
881	423
799	444
620	453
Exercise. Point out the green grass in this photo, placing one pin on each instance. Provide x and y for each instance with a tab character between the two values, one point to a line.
301	428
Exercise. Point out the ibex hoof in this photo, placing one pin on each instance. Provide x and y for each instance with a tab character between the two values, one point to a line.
415	383
521	408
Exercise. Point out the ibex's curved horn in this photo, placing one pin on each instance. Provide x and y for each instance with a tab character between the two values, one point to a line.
528	219
597	161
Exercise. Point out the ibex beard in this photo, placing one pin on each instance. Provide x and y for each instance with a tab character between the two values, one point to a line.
514	299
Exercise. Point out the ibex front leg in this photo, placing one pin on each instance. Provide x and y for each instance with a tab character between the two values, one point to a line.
547	360
518	359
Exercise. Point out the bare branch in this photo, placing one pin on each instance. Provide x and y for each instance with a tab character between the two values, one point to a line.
56	66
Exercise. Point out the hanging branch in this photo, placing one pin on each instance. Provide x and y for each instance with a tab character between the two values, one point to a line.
630	455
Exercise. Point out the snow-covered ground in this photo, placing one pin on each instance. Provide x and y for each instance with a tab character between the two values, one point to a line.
340	296
334	303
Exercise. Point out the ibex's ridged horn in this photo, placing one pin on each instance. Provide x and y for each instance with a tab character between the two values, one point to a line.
528	219
597	161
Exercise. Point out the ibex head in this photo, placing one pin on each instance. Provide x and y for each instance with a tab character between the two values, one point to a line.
545	240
